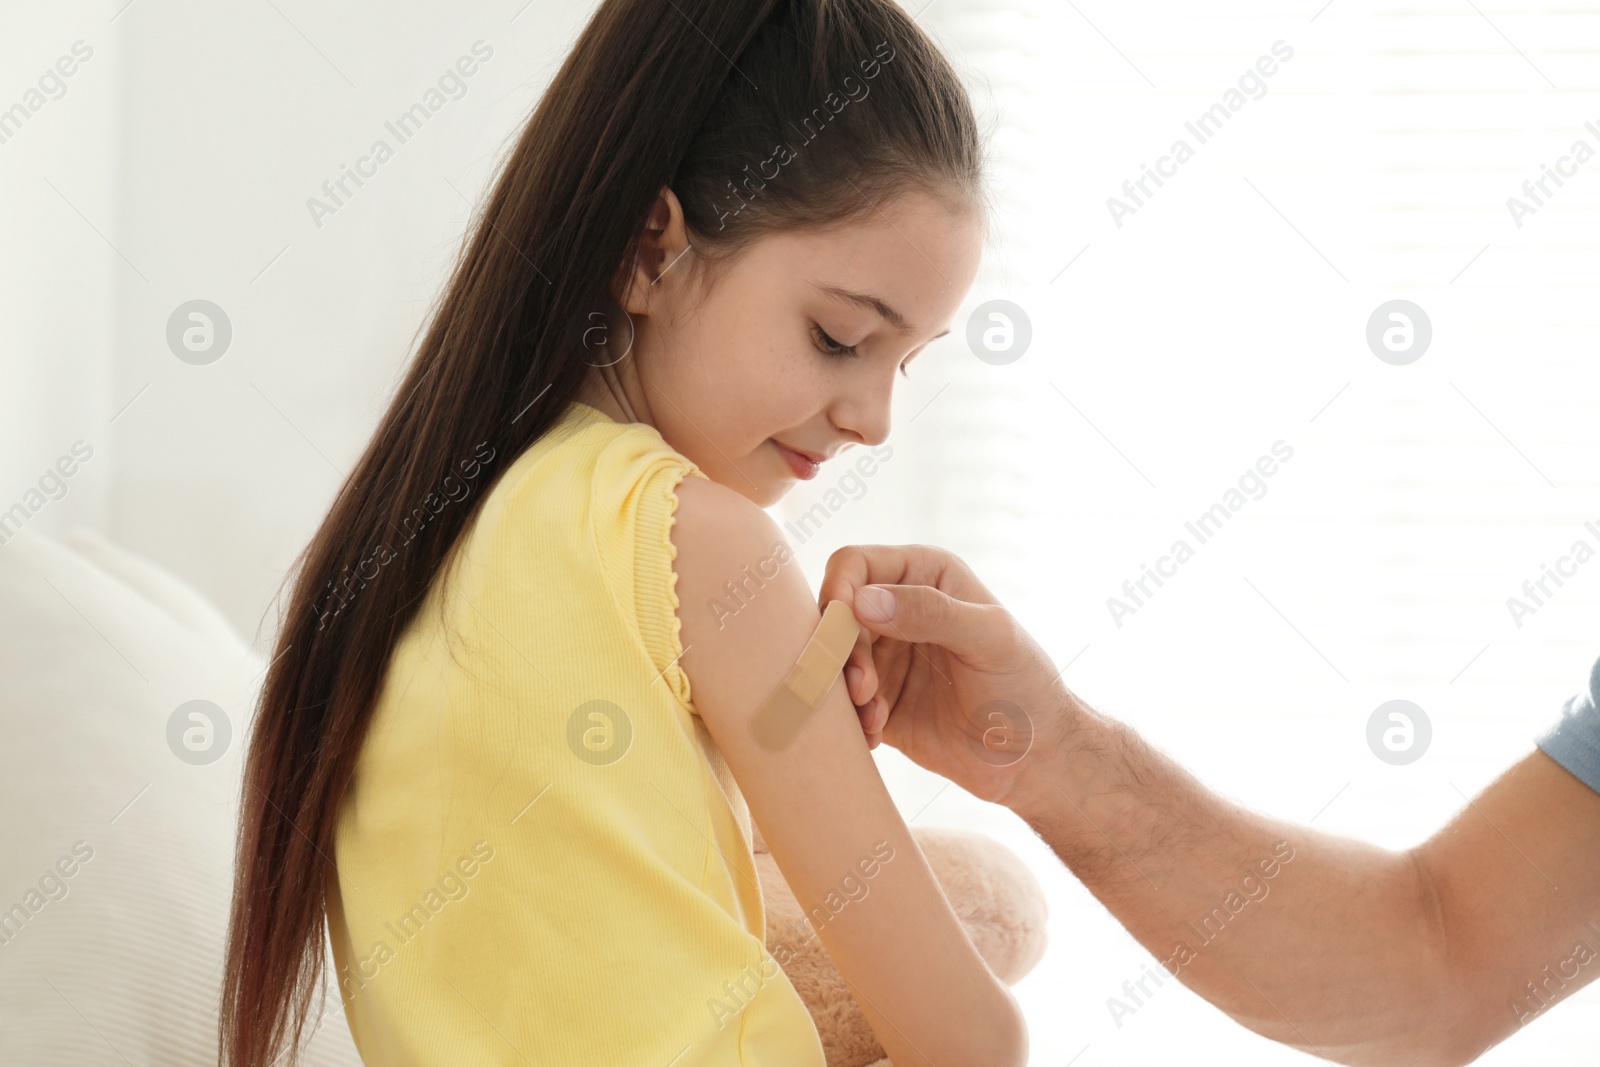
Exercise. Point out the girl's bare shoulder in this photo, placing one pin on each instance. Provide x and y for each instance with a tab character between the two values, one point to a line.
744	607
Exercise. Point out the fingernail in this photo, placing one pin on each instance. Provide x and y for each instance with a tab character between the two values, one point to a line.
877	602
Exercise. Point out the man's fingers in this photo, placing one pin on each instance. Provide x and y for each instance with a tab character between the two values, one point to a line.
877	716
853	566
845	570
941	602
874	714
919	614
861	657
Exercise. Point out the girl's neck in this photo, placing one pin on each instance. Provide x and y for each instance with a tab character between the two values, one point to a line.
618	395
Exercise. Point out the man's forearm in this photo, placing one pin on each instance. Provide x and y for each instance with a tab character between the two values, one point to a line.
1323	943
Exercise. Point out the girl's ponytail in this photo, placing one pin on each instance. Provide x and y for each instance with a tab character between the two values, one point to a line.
760	115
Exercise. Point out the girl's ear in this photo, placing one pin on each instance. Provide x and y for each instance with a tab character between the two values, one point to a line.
665	238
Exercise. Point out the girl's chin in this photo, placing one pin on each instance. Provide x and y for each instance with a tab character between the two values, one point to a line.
761	495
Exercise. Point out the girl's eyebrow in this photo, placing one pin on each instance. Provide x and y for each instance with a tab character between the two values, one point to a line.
873	303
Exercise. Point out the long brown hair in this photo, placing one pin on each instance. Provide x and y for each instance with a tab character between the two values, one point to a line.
695	95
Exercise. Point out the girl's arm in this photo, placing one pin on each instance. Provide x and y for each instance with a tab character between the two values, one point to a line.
821	804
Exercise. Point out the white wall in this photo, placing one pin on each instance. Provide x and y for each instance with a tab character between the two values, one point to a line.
57	275
192	141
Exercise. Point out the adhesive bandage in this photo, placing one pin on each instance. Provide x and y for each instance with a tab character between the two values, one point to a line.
808	681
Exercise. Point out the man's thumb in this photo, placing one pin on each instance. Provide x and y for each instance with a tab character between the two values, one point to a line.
921	613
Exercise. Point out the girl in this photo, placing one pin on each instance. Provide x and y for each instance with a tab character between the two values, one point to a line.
505	748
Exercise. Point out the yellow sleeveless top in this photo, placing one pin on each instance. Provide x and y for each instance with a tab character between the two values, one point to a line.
542	858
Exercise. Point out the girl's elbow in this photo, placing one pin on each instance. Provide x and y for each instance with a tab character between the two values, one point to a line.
994	1035
1012	1041
1003	1040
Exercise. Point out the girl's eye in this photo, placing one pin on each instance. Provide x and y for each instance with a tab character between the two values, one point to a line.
829	345
834	348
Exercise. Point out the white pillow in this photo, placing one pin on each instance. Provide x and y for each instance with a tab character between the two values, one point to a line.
116	854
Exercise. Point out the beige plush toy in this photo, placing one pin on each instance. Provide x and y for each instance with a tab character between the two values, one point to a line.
997	899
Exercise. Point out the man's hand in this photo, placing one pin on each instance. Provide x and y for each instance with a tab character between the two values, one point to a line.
950	678
1362	955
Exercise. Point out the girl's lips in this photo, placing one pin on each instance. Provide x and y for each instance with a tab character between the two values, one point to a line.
803	468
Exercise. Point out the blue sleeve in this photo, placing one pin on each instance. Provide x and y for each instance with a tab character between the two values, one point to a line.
1574	741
